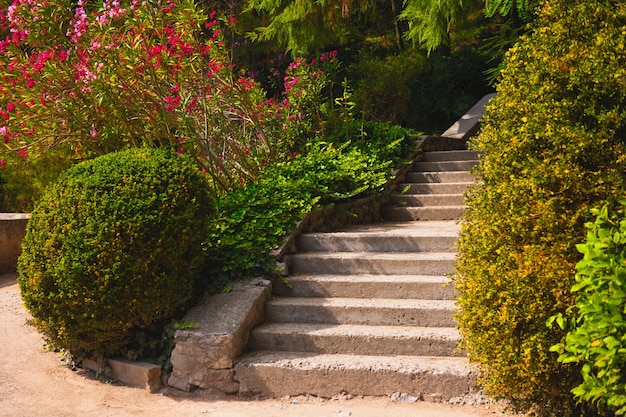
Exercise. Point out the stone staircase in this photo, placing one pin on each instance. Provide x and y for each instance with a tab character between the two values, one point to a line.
368	311
434	189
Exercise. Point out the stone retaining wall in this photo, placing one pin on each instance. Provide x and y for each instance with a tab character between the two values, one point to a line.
12	231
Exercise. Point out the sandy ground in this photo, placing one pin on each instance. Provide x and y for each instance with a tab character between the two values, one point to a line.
35	383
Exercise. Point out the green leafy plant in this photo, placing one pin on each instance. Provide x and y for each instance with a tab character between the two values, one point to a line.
385	141
597	336
552	146
256	218
113	249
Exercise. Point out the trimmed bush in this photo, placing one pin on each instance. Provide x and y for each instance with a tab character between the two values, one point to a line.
553	147
113	247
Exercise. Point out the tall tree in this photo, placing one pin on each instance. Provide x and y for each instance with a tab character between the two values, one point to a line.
430	21
308	25
304	25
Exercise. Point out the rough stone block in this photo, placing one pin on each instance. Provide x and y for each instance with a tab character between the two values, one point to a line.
223	323
136	374
133	373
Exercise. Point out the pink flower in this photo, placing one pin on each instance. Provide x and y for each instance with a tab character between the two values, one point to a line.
3	163
171	102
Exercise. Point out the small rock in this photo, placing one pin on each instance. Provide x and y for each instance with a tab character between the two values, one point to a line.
403	397
341	413
342	397
260	282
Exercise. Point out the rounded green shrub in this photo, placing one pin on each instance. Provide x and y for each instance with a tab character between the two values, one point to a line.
113	247
553	146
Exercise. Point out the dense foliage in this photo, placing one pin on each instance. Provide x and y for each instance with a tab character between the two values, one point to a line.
553	147
308	25
113	249
256	218
597	335
83	79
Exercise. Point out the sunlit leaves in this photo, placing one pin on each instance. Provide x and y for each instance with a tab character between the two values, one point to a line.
553	148
597	336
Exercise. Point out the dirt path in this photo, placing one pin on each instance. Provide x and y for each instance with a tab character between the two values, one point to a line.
34	383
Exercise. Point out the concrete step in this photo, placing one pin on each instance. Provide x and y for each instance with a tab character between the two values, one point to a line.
375	312
384	237
425	287
434	188
398	214
356	339
426	200
460	155
448	176
373	263
444	166
276	374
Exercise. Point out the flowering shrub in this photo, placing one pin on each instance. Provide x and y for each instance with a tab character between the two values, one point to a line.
84	79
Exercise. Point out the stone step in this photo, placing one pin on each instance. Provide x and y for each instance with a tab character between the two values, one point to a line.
434	188
356	339
448	176
459	155
384	237
444	166
426	200
398	214
375	312
425	287
277	374
374	263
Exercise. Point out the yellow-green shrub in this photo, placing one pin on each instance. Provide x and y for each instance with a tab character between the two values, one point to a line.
113	247
553	146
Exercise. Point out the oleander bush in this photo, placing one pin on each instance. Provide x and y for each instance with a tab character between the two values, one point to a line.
553	146
80	79
113	248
